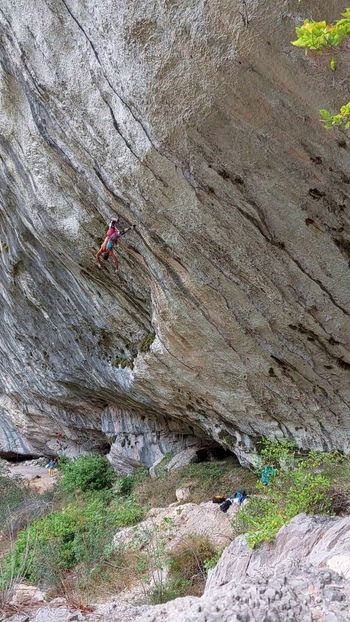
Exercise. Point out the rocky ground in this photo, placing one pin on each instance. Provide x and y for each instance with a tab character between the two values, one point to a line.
178	521
302	577
33	472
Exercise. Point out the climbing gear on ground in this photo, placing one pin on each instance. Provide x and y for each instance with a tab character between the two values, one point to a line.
218	499
267	475
225	505
238	497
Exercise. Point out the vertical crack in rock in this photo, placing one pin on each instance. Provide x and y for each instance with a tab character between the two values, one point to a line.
129	108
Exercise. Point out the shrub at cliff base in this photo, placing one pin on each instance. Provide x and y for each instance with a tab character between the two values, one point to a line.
87	473
302	484
81	533
70	550
73	543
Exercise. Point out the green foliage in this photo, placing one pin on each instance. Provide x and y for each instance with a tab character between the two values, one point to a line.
127	513
125	485
315	459
341	118
207	471
87	473
188	558
47	543
205	479
174	588
81	533
318	36
302	485
211	562
277	453
161	468
12	495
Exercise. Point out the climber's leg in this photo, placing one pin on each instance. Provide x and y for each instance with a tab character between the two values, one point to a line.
103	249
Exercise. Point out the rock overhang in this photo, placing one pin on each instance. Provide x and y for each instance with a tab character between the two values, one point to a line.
239	263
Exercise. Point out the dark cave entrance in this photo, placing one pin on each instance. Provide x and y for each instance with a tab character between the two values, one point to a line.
213	453
11	456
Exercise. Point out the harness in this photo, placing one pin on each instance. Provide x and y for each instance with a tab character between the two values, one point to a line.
113	239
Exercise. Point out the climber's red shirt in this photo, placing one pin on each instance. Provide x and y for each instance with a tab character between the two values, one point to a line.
113	234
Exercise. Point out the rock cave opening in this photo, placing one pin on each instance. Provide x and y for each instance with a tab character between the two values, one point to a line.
213	453
11	456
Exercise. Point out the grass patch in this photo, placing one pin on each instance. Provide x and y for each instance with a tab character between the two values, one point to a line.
188	565
13	494
19	505
80	533
189	561
69	551
108	576
205	479
173	588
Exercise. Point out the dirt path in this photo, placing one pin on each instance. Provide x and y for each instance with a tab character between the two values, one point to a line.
37	476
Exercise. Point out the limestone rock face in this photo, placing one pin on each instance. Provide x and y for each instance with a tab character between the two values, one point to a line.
229	316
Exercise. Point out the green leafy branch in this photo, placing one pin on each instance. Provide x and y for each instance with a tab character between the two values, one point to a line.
317	36
341	118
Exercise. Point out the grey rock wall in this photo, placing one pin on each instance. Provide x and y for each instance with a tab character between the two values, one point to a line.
198	122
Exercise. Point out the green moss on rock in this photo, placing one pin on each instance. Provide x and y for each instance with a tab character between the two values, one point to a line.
122	362
147	341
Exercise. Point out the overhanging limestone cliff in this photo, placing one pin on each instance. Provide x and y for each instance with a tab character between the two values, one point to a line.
199	122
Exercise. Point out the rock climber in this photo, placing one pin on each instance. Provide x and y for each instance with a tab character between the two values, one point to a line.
112	236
